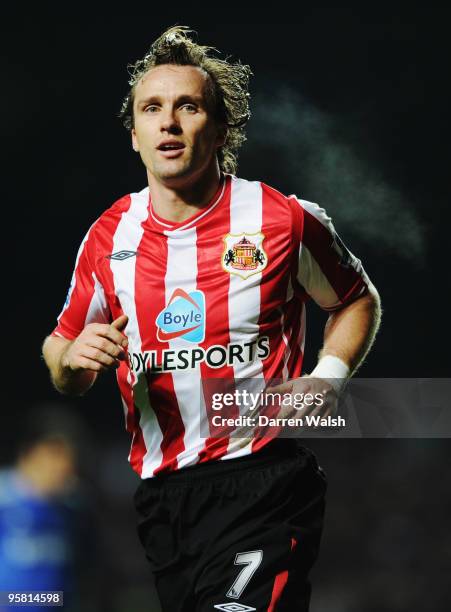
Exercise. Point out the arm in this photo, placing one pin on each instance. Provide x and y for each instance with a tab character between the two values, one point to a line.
350	331
334	278
75	364
348	336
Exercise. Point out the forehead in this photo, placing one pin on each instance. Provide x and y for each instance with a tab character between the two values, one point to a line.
170	81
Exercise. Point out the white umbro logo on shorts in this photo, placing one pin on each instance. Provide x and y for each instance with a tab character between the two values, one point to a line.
233	607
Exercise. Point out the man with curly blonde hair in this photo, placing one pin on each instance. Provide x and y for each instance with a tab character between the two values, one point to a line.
226	87
197	280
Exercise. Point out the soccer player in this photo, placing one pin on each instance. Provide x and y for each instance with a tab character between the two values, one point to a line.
199	276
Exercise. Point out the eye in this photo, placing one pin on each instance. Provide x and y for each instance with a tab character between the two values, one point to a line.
190	108
152	108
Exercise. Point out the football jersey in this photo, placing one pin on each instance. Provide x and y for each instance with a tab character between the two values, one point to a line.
219	295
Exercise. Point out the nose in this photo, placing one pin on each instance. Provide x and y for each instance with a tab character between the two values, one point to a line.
170	123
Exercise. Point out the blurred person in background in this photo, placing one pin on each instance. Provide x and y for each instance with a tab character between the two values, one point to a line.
45	537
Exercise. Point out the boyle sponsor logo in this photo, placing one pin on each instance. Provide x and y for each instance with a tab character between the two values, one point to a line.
183	317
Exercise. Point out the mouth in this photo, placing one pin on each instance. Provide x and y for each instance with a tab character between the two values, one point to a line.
171	148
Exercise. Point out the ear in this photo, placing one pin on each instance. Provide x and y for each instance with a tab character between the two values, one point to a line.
221	135
135	144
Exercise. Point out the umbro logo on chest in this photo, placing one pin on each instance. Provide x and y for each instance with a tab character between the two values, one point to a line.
121	255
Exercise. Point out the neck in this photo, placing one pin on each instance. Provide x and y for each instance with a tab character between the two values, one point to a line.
177	201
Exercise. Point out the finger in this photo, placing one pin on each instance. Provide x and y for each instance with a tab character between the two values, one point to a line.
287	412
120	323
91	365
322	410
298	385
106	346
285	387
113	334
99	356
329	406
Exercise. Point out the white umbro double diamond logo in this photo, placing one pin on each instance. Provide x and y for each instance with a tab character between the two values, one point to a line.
233	607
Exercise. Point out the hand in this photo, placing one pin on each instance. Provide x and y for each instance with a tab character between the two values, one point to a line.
312	396
99	347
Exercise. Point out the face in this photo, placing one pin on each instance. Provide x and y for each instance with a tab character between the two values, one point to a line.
174	130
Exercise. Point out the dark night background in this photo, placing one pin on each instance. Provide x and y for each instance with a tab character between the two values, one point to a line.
350	109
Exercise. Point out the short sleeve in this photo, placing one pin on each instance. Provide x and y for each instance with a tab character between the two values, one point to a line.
85	302
330	274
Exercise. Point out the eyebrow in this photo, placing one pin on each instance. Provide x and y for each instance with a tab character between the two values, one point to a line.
183	99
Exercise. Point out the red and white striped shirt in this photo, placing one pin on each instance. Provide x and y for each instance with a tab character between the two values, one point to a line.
220	294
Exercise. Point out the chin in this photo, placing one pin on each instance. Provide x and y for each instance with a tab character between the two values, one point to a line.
176	173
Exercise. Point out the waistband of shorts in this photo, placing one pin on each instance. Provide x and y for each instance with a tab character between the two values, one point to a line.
274	451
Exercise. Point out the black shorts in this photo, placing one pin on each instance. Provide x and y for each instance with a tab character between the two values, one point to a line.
235	535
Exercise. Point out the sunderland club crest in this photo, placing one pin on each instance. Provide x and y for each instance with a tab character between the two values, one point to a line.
243	254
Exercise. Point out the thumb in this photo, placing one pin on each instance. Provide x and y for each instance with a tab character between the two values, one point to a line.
120	322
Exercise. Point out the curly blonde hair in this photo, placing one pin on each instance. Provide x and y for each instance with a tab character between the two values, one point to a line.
227	89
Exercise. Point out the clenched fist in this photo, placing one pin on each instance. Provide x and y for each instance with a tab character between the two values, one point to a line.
75	364
99	347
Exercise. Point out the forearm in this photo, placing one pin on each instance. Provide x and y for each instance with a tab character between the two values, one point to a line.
65	379
349	332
